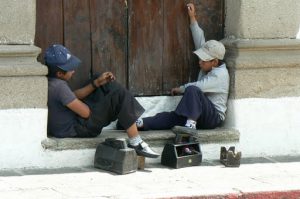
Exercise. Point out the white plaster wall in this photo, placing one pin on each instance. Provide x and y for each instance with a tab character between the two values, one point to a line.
156	104
298	34
21	132
267	126
153	105
67	158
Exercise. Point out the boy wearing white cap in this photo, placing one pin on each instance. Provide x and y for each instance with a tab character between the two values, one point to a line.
203	104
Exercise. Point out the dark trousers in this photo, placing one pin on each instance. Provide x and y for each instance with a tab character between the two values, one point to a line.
193	105
108	103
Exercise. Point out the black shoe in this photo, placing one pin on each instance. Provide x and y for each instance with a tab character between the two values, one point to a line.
142	149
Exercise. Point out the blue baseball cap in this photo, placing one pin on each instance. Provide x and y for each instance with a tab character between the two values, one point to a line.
59	56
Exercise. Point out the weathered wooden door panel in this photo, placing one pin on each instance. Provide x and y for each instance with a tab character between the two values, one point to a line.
210	15
145	46
177	49
49	24
160	42
147	43
109	37
77	37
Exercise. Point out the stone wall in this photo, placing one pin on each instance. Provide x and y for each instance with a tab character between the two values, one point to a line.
262	49
23	87
268	68
22	79
17	22
256	19
264	63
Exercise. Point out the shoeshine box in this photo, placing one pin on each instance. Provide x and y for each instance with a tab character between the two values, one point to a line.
176	156
114	155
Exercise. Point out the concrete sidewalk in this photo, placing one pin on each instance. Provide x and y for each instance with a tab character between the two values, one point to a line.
255	178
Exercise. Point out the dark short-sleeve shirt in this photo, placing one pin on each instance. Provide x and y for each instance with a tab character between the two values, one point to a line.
61	119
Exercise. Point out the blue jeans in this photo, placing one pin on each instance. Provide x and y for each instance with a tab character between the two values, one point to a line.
193	105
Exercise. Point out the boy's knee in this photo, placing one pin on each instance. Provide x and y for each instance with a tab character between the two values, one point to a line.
114	85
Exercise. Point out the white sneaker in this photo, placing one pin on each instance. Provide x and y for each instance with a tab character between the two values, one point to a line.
190	124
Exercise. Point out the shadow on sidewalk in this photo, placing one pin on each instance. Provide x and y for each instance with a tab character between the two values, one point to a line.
205	163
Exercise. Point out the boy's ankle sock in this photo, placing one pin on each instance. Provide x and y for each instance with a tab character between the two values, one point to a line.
139	123
134	141
190	124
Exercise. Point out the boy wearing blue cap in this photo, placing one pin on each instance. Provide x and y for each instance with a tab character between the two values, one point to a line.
203	104
84	112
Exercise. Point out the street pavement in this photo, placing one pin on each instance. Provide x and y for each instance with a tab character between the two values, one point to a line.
263	177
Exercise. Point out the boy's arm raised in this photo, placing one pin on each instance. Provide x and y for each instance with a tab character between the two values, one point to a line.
197	32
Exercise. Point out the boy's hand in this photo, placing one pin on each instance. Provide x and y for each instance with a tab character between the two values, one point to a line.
104	78
191	11
175	91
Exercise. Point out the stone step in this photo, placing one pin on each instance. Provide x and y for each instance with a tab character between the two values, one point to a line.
155	138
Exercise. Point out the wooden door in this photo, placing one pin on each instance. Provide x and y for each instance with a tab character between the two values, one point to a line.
109	37
146	43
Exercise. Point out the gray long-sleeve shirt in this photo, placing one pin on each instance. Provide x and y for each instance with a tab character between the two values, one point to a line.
214	84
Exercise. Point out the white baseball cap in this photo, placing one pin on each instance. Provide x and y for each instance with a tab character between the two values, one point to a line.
212	49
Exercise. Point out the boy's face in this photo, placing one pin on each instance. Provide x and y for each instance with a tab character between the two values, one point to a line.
65	76
206	66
